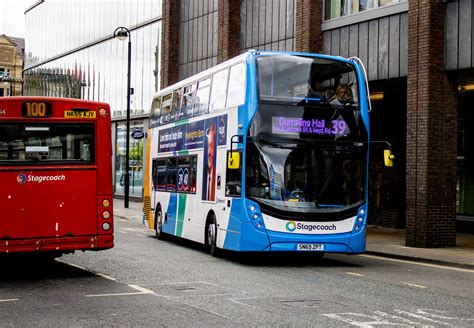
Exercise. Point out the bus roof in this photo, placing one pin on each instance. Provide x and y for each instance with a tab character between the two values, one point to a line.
240	58
52	99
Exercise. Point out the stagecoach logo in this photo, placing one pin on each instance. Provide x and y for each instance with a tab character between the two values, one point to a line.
21	178
291	226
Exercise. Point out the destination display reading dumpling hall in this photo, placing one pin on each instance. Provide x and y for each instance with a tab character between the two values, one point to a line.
295	125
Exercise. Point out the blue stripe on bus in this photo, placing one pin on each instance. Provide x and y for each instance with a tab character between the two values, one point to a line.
349	242
170	225
241	234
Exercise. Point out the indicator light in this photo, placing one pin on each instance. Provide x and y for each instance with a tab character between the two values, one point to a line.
106	226
105	202
106	214
102	112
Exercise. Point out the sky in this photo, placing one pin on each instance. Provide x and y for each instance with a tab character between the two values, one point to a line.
12	22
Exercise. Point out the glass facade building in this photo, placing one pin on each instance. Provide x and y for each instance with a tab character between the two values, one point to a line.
71	52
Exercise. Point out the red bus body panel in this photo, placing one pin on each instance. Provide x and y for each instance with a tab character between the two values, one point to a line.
57	207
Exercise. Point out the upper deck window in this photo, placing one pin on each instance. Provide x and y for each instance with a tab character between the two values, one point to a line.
46	143
341	8
219	87
236	92
306	80
201	103
166	108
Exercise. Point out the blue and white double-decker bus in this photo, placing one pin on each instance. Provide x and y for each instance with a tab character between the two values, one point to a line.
267	151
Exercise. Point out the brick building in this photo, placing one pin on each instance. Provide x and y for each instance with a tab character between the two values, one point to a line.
419	57
11	65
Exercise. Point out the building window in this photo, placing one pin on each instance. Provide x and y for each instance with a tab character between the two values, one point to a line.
340	8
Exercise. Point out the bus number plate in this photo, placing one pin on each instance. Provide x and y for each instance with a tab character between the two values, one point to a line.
79	114
310	247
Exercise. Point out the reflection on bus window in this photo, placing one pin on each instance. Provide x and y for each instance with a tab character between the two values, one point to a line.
176	105
187	103
311	175
218	93
236	92
166	108
175	174
40	144
201	102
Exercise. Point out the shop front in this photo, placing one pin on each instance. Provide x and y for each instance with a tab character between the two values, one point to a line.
136	155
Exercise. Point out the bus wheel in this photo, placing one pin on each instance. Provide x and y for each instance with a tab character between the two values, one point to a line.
212	236
159	224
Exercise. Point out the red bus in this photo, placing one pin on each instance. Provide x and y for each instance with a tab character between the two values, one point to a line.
55	175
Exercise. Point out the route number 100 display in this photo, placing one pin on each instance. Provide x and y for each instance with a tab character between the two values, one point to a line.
36	109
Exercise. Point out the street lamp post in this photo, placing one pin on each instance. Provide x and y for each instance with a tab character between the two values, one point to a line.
123	33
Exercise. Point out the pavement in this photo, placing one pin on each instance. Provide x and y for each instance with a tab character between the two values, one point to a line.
380	241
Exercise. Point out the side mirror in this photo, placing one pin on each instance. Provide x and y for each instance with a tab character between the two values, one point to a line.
388	157
233	160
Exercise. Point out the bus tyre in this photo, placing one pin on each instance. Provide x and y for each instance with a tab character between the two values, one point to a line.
159	224
212	236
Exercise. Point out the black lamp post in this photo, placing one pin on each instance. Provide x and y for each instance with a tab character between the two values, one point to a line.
123	33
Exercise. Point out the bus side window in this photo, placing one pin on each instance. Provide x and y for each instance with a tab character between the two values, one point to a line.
171	180
233	185
176	104
236	92
187	103
155	111
159	174
201	102
166	109
218	90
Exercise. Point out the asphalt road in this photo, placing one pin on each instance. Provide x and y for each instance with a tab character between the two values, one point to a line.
147	282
